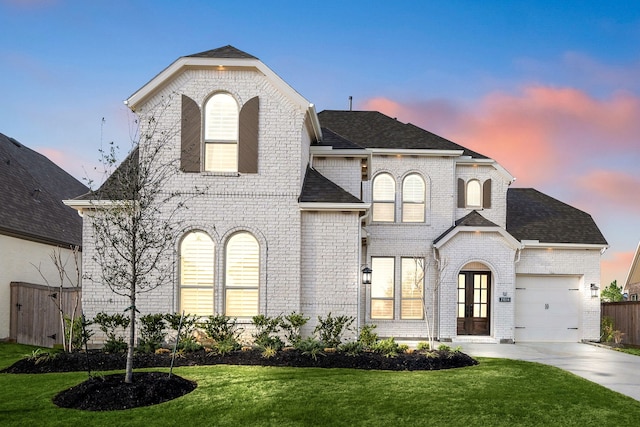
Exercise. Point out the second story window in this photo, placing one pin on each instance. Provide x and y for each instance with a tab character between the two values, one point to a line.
413	197
473	194
221	133
384	196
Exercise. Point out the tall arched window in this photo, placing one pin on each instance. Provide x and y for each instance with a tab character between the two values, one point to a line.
196	274
242	275
384	196
413	197
474	194
221	133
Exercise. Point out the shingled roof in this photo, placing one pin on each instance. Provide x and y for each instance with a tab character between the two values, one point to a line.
472	219
532	215
227	51
337	142
318	189
372	129
32	188
119	185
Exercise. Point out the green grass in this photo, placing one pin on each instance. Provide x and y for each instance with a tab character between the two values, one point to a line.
634	351
494	393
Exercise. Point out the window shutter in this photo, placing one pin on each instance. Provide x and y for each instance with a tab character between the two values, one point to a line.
190	134
486	194
248	137
461	188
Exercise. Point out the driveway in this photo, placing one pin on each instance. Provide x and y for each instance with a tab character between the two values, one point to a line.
617	371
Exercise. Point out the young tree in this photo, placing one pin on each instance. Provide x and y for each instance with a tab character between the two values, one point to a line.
135	217
422	267
612	293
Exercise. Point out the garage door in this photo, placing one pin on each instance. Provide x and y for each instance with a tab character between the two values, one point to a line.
547	308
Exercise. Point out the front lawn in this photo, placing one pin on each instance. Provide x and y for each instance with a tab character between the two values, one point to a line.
496	392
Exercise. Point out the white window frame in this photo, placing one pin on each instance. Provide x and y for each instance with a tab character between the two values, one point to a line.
471	195
383	198
412	287
411	200
380	284
242	274
197	273
221	127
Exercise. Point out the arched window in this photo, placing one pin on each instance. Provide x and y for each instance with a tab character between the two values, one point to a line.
384	196
474	194
196	274
413	196
221	133
242	275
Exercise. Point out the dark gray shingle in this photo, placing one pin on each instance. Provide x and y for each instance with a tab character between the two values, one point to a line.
227	51
317	188
32	189
532	215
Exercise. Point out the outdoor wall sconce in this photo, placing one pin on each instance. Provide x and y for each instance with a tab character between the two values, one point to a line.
366	276
594	290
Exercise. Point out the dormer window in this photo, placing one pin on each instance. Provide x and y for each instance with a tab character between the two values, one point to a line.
221	134
473	194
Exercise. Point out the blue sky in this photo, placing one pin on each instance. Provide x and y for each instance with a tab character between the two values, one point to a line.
551	89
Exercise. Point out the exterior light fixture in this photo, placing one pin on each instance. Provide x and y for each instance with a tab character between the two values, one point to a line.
366	276
594	290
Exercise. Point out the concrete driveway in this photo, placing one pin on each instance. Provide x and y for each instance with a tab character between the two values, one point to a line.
617	371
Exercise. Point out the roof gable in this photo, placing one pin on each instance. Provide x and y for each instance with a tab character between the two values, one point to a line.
227	51
32	189
532	215
474	221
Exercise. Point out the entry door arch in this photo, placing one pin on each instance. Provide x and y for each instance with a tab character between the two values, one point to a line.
474	303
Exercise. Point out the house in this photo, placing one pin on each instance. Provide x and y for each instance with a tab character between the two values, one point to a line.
299	203
33	223
631	287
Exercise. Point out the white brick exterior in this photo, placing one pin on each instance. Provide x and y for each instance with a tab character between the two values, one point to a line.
310	260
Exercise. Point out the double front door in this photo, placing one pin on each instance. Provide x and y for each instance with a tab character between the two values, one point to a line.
474	302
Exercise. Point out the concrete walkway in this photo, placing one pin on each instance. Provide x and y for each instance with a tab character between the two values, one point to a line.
612	369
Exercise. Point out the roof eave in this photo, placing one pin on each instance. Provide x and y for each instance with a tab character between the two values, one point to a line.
492	162
548	245
511	241
416	152
334	207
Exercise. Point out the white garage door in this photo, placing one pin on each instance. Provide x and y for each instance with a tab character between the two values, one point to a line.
547	308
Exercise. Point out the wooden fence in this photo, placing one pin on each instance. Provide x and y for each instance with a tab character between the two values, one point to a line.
626	318
35	316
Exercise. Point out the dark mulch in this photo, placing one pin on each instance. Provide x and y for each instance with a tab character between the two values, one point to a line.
111	393
149	388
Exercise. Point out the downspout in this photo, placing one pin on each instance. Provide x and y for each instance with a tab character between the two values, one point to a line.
359	283
439	282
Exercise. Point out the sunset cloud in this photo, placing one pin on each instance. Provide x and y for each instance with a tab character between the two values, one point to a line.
615	266
537	133
616	190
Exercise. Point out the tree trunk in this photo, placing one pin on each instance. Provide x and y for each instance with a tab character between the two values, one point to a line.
132	334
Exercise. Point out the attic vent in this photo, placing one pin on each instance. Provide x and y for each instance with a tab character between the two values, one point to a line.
36	194
16	143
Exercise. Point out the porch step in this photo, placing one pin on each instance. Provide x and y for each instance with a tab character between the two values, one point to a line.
474	340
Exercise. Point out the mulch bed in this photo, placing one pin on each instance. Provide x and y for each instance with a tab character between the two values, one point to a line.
110	392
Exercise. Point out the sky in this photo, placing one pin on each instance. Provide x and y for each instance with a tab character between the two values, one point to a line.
550	89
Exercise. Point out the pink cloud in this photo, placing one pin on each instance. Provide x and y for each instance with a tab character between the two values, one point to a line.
537	133
615	190
615	266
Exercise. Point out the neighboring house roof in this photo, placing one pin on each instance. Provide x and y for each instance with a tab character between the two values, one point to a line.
318	189
634	271
32	188
227	51
532	215
372	129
